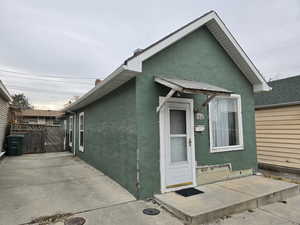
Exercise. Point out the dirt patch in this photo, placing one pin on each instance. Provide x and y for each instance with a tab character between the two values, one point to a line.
45	220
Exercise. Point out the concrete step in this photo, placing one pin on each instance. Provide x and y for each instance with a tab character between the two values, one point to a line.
227	197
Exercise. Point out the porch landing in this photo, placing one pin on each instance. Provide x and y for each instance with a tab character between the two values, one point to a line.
226	198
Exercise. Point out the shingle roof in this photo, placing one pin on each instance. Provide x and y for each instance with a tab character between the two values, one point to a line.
41	113
284	92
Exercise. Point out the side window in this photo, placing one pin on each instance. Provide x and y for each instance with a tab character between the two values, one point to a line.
71	131
81	131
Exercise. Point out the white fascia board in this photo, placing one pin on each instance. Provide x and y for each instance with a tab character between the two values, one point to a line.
4	92
211	19
136	62
120	76
257	87
261	88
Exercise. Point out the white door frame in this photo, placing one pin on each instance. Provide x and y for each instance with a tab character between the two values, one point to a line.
74	133
162	116
65	134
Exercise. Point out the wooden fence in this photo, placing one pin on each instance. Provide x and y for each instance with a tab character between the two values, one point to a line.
40	138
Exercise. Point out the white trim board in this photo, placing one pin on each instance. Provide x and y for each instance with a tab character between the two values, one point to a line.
81	148
240	124
71	118
4	92
1	154
74	133
133	65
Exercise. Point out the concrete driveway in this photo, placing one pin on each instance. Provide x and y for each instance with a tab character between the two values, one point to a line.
40	185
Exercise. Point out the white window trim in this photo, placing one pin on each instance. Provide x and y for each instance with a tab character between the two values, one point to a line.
81	148
71	119
240	121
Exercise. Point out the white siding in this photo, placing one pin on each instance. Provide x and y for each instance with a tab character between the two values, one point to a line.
3	120
278	136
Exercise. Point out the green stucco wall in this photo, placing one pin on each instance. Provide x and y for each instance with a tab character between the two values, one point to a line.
110	136
197	57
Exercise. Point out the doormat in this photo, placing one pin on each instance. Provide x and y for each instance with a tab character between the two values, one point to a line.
189	192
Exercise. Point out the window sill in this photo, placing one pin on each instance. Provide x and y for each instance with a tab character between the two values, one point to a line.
227	149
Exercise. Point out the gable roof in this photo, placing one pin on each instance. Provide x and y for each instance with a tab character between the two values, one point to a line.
284	92
133	65
4	92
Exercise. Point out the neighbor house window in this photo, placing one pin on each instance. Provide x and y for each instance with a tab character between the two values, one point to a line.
225	120
81	131
70	131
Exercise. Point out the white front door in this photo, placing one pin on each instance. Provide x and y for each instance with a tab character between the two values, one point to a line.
177	144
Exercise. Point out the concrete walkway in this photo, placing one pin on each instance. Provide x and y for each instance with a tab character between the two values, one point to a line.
279	213
40	185
227	197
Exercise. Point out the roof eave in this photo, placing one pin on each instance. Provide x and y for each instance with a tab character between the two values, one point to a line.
120	76
277	105
222	34
261	88
4	92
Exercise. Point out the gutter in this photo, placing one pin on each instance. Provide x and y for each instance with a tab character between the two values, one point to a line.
113	75
5	92
277	105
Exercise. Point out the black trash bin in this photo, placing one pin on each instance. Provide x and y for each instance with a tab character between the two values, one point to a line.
15	145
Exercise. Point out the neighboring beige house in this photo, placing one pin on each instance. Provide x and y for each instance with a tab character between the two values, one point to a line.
5	98
39	117
278	125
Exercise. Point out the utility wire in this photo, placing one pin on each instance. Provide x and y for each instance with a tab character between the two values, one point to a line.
41	90
50	76
49	79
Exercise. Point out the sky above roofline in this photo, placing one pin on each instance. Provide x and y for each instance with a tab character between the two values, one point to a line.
61	47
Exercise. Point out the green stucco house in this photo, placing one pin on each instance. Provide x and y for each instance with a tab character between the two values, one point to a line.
177	114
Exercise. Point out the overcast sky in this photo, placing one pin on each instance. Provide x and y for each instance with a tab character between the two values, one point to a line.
61	46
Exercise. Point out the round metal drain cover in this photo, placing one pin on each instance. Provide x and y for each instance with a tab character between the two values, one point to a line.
75	221
151	211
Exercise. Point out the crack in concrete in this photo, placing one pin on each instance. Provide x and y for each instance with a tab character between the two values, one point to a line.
89	210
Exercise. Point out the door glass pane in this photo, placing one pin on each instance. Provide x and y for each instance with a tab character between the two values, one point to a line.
177	122
178	149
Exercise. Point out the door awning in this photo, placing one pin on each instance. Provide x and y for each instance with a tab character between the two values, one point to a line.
190	87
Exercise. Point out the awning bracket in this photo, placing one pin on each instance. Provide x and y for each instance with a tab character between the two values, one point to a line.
209	98
169	95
